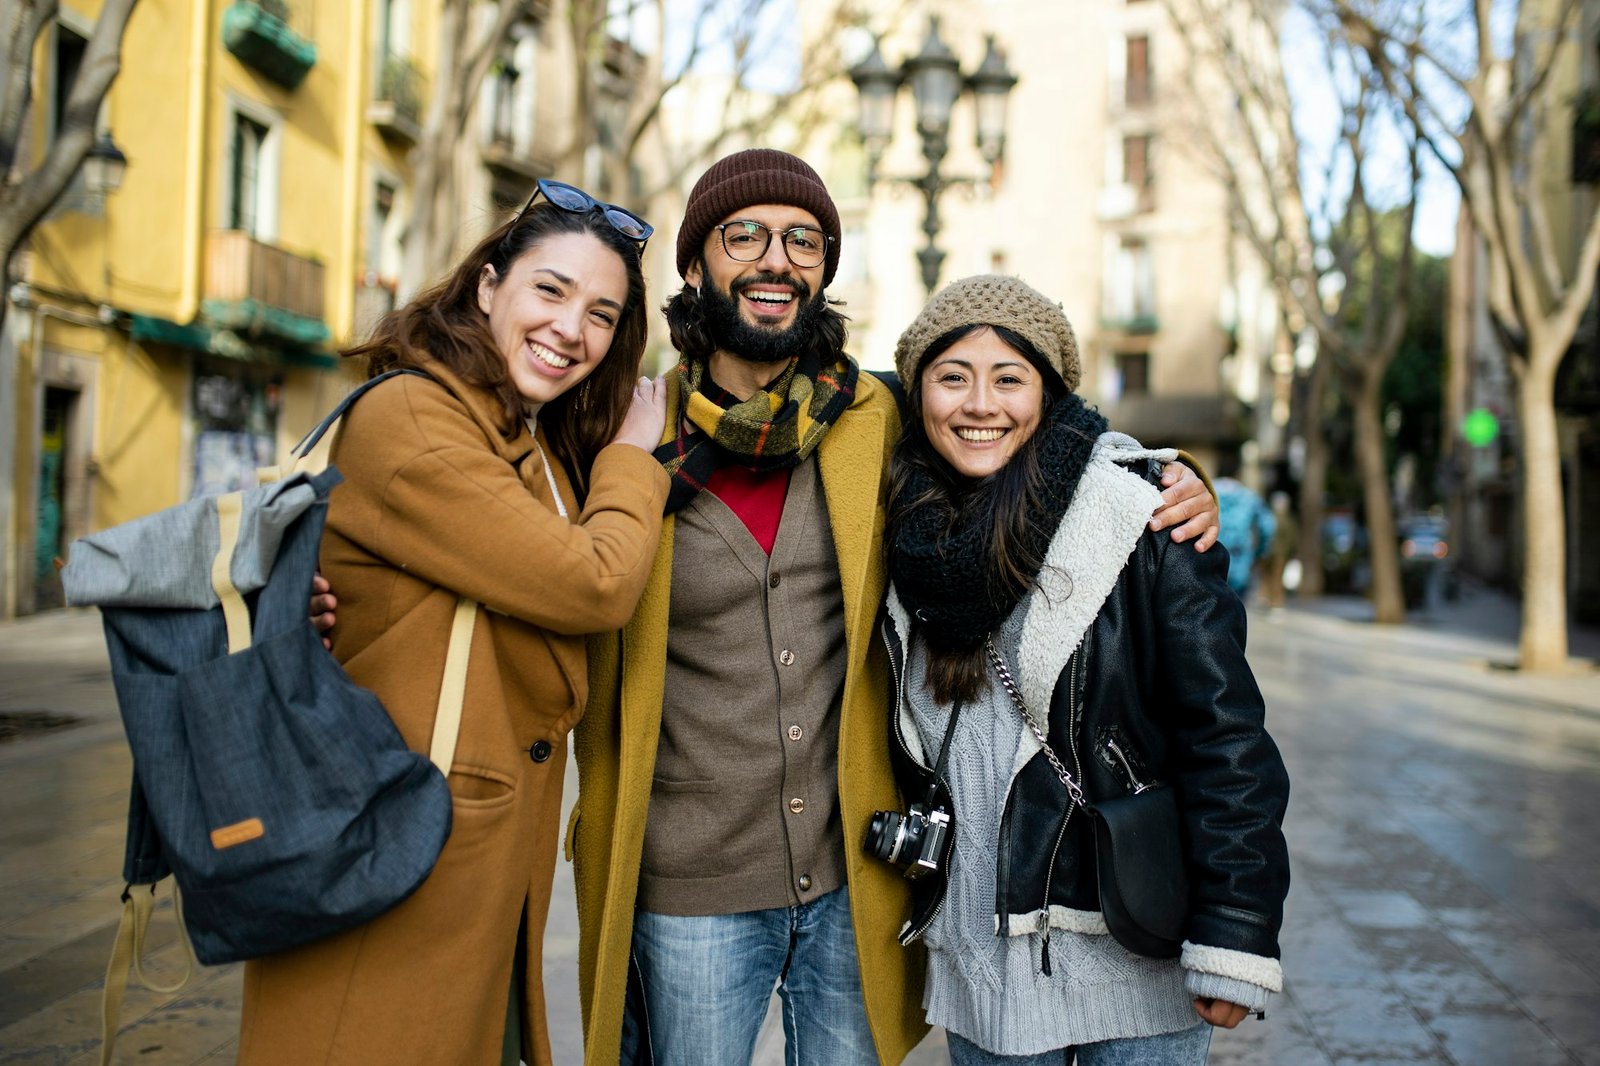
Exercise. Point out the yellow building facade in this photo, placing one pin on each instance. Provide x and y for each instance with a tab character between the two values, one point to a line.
167	337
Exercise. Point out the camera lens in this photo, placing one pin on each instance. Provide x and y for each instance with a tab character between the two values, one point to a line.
882	834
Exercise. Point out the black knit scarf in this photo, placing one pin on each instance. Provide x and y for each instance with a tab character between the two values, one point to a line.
941	562
778	427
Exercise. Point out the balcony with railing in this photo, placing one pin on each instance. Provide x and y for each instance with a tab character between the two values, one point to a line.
263	292
260	34
401	95
508	147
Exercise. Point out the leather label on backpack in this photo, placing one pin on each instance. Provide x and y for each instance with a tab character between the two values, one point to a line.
237	833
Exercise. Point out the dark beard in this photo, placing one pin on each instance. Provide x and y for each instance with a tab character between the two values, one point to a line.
730	333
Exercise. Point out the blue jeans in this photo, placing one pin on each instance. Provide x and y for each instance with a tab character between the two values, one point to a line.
706	982
1186	1047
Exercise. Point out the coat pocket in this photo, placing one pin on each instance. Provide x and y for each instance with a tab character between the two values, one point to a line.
692	830
480	788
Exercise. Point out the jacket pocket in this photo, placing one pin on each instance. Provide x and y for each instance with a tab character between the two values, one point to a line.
480	788
692	831
1116	753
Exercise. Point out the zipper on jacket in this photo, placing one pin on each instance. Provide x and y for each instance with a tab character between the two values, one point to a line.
1002	874
915	932
1127	766
1055	852
899	699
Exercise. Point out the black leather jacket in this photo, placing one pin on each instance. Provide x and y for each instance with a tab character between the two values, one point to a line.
1163	694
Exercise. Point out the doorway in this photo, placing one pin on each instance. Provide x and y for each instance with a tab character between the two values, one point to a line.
50	522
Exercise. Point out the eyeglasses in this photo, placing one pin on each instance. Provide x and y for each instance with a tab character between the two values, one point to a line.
573	199
746	242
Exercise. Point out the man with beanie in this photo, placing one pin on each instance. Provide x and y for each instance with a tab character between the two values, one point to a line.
735	743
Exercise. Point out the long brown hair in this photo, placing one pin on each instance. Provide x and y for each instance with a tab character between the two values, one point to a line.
445	324
1000	502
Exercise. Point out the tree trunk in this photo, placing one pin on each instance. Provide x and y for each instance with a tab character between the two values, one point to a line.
1313	482
431	157
1544	570
1388	602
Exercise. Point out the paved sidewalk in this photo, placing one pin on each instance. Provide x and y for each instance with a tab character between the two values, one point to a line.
1446	901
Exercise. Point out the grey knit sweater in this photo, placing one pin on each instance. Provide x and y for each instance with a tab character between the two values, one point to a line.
989	988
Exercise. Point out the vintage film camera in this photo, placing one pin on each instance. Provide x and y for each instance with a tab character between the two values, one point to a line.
916	840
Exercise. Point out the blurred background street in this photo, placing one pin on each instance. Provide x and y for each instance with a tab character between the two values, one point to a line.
1446	900
1344	256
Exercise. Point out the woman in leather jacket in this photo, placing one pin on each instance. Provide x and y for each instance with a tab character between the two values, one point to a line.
1030	601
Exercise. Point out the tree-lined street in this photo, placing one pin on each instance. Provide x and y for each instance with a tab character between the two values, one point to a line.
1446	900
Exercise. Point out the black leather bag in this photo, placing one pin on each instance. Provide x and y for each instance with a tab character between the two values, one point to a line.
1144	894
1138	845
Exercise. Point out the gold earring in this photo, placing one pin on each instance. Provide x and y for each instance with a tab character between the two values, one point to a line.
583	396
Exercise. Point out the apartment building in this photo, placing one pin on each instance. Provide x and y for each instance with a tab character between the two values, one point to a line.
1099	200
164	339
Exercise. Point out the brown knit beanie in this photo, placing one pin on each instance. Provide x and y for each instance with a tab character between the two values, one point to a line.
993	300
756	176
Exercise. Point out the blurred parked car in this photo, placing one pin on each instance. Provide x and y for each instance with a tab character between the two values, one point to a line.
1427	571
1344	553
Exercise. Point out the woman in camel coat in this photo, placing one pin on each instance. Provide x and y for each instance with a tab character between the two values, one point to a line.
453	489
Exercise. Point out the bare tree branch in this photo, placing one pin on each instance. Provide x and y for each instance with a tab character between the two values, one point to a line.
22	205
22	21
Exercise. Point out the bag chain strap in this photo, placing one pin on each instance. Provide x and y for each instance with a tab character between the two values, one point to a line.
1073	788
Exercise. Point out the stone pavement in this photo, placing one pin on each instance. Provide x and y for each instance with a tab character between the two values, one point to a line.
1446	900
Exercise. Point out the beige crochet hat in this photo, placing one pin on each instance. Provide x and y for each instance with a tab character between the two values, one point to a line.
994	300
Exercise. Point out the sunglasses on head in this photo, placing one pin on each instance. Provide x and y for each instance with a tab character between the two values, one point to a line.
573	199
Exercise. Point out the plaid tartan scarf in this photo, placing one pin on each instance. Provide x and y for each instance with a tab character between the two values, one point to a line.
778	427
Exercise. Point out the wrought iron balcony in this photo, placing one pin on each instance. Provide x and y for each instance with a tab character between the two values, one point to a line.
396	108
258	33
263	292
1132	323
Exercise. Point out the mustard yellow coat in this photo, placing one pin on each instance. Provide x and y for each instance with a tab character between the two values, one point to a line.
616	752
439	502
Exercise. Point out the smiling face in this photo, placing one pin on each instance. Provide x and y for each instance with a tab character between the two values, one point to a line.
555	312
981	401
758	311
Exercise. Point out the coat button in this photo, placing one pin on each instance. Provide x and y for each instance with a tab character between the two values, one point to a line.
786	657
797	805
795	732
805	882
540	751
774	580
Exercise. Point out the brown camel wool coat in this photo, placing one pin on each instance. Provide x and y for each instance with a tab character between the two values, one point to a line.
437	502
616	753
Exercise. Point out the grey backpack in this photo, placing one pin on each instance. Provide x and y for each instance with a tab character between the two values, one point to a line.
276	790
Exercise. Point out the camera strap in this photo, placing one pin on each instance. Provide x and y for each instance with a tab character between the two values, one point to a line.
944	754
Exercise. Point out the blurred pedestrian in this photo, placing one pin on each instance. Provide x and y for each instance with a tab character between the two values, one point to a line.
1281	551
1247	528
516	473
1051	653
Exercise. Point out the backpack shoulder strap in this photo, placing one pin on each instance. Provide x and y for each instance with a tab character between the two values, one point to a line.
447	720
138	901
311	454
891	381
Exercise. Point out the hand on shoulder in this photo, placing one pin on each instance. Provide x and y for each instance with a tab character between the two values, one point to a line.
647	415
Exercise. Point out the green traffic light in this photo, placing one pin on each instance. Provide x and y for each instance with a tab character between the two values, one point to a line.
1480	427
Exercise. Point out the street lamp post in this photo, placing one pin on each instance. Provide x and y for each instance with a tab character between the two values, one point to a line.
936	82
